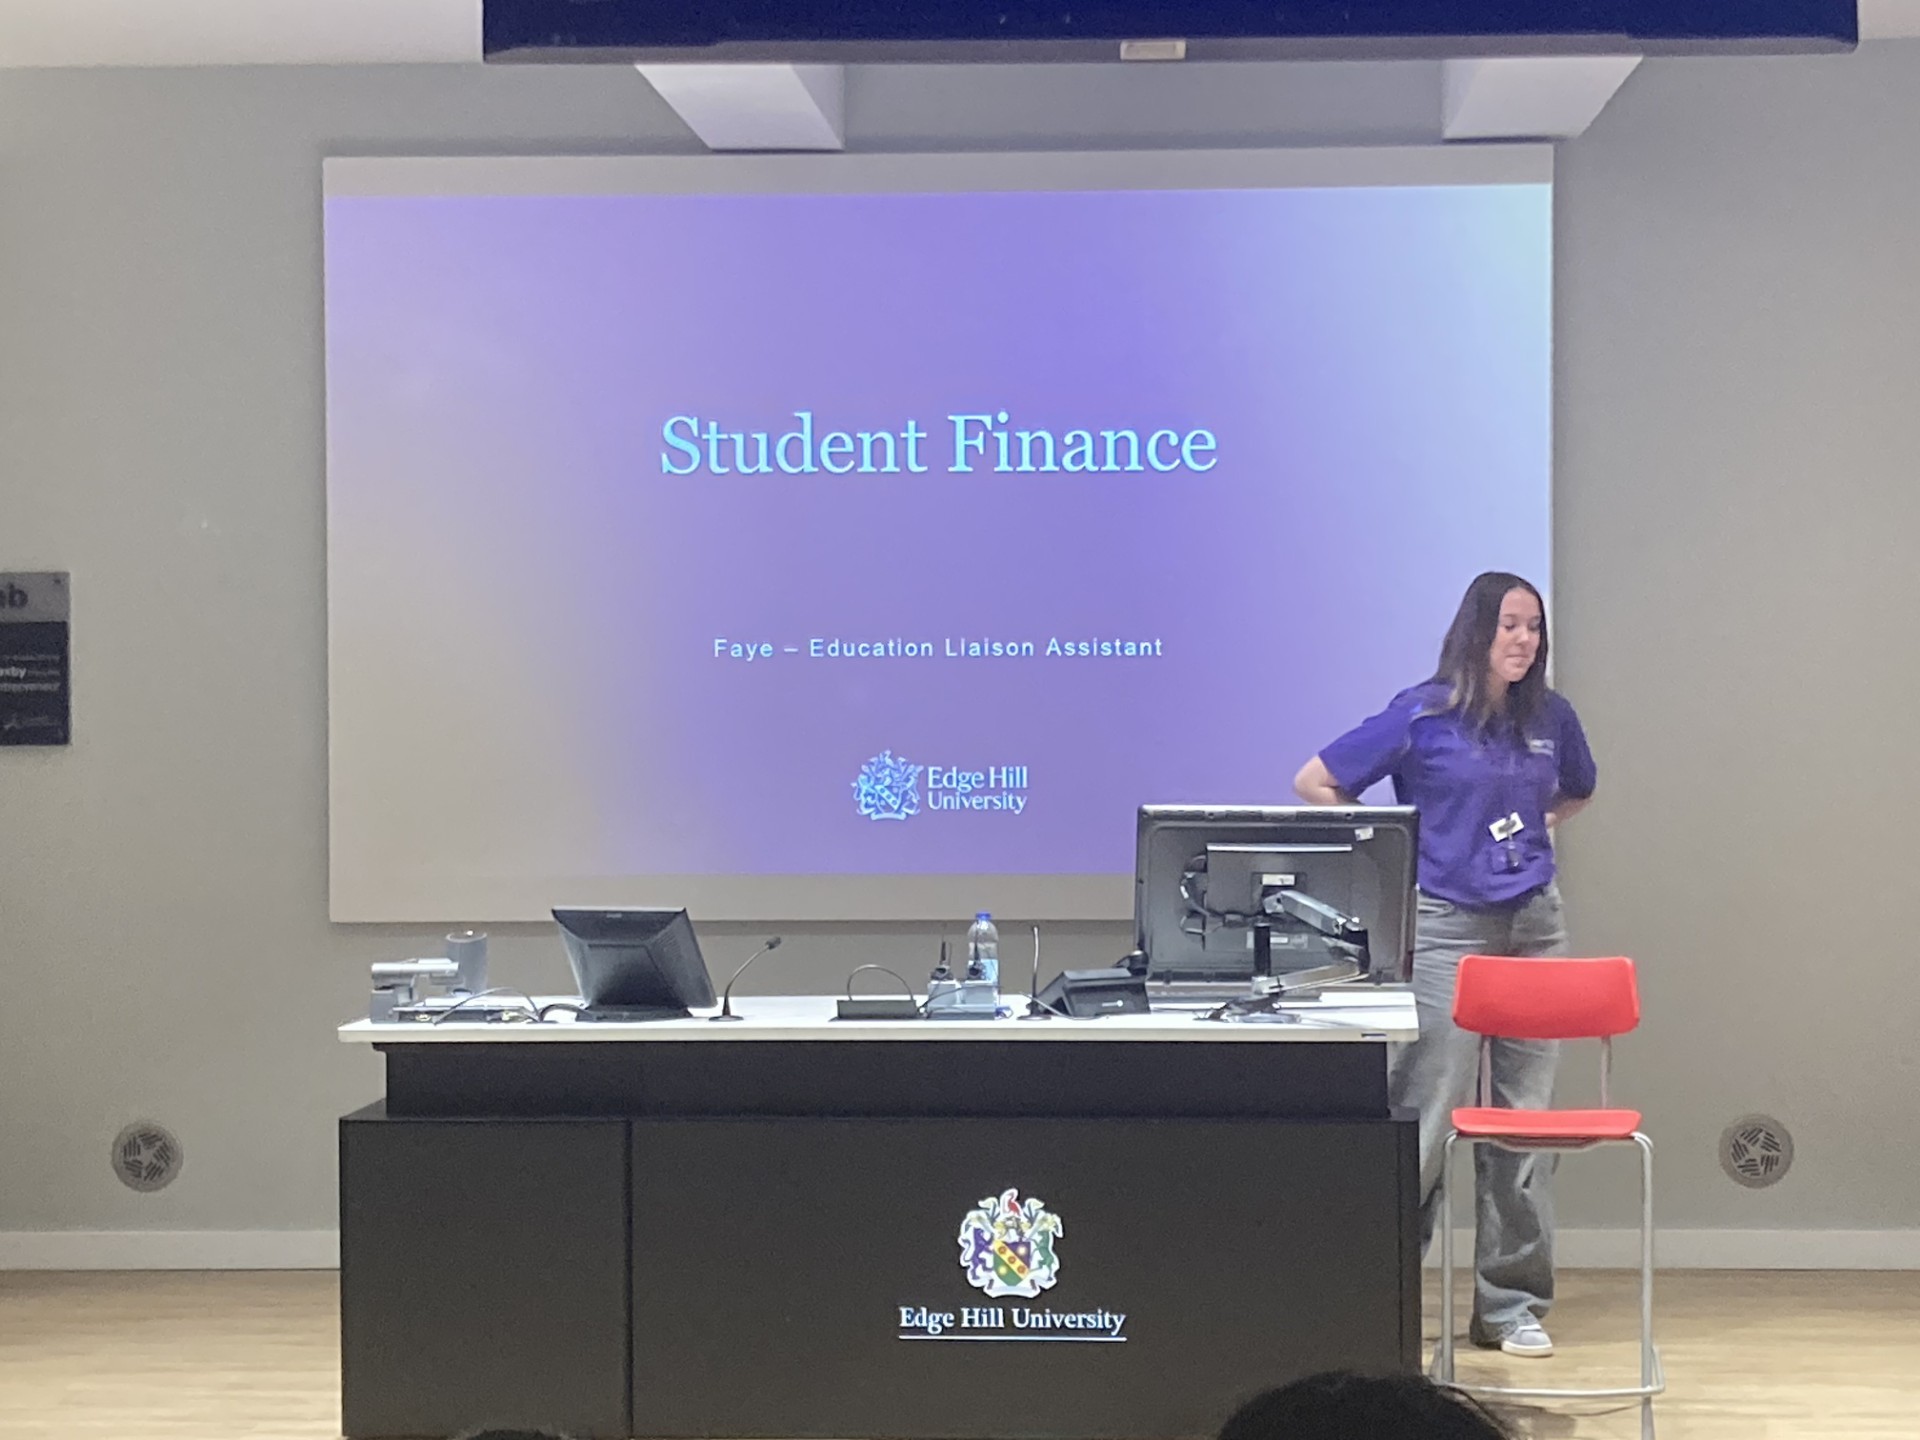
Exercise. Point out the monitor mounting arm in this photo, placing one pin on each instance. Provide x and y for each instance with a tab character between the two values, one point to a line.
1344	935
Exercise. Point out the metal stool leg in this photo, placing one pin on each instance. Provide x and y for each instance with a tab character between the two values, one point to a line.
1653	1379
1443	1356
1649	1359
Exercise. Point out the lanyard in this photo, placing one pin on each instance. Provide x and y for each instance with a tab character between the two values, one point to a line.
1503	830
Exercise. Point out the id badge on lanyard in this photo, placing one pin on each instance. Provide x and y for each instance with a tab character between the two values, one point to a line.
1507	848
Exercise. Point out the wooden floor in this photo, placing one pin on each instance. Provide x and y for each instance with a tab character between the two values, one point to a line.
1750	1356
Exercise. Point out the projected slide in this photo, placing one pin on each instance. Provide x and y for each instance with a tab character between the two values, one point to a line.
681	541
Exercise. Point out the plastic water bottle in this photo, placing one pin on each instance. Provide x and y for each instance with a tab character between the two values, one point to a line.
983	945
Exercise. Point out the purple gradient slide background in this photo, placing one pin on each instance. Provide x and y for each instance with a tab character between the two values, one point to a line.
523	607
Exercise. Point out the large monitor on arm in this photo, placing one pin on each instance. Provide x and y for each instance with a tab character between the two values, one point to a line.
1316	889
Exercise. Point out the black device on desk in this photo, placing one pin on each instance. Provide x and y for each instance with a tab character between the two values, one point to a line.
1085	994
635	964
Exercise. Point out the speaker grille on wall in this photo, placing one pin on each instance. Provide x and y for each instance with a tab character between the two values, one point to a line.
147	1157
1756	1151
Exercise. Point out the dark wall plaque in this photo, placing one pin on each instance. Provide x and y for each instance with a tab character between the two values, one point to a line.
36	691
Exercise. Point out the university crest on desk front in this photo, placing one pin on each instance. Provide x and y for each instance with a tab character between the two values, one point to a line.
1006	1245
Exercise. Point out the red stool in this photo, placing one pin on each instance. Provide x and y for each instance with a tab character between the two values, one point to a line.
1549	999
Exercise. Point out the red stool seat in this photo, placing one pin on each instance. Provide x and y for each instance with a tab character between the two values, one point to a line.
1550	1127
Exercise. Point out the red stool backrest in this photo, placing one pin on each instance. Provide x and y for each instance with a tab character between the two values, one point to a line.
1546	999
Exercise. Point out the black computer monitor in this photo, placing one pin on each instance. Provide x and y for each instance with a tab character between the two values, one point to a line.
635	964
1328	885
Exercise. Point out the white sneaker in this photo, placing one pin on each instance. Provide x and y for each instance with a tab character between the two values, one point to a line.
1528	1339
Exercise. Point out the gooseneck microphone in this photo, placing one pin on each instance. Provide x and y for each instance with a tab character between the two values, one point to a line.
1035	1010
726	999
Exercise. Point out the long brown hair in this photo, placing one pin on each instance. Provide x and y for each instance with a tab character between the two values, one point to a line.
1464	658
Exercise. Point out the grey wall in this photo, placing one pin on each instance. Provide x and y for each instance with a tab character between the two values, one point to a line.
1738	501
1738	330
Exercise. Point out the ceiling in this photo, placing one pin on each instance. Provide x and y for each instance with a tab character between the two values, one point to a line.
347	32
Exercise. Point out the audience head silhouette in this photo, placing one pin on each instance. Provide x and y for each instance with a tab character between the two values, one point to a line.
1339	1406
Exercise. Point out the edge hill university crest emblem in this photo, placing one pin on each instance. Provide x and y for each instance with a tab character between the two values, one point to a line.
888	788
1006	1245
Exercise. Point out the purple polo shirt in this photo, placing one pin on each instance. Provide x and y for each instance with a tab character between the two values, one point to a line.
1462	785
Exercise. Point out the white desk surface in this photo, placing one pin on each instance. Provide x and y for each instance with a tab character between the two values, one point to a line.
1362	1014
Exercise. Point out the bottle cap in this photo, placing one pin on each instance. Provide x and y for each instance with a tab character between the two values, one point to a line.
982	915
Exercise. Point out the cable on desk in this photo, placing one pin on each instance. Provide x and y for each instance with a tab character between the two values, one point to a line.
533	1010
884	971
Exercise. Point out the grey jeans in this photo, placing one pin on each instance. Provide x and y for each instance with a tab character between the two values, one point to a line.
1513	1206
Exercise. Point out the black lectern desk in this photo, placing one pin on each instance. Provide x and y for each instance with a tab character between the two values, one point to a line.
796	1226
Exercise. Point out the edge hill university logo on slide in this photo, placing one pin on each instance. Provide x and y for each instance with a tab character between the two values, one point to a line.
888	788
1007	1249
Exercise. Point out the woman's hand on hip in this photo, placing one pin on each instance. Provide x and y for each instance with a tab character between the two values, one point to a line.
1565	807
1315	785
